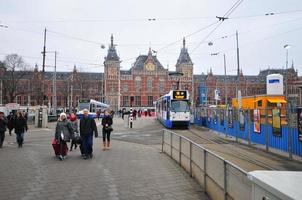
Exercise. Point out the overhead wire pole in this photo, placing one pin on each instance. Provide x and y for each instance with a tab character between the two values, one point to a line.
225	85
55	87
43	68
238	67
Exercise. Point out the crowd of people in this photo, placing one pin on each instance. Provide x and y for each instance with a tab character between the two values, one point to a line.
14	121
68	129
135	113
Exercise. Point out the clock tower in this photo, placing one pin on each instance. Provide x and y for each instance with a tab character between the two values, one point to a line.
112	77
185	65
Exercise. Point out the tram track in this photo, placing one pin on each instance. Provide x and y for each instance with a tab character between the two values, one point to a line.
206	140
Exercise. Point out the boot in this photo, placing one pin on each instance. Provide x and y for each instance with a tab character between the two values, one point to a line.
108	145
104	146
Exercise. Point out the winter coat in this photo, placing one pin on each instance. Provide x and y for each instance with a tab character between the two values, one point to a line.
74	125
107	119
3	124
87	127
64	127
11	119
20	125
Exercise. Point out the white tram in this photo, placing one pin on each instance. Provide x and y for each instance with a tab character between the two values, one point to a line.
173	109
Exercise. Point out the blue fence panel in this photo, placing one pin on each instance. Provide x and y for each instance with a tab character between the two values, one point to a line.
296	144
258	137
278	142
198	120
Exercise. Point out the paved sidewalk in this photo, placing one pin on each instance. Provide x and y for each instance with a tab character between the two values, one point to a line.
127	171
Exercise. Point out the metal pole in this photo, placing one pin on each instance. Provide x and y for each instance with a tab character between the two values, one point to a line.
225	180
238	66
225	86
286	81
205	170
249	125
162	141
179	150
55	86
171	143
237	84
191	173
290	154
43	67
266	129
71	93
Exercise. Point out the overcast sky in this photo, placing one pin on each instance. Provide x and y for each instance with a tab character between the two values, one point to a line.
78	28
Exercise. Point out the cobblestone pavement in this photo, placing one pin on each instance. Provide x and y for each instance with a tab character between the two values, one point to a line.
127	171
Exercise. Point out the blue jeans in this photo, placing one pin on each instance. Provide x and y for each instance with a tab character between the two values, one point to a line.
20	138
87	142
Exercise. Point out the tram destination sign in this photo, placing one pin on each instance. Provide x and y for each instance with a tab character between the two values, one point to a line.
179	95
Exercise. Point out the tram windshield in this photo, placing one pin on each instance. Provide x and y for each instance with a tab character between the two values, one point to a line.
179	106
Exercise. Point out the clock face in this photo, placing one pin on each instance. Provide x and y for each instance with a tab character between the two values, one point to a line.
150	66
111	72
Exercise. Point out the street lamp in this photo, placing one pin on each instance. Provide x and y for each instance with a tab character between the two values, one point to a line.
286	47
225	85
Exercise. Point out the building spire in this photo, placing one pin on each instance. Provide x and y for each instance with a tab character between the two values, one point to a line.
150	53
184	42
36	67
112	40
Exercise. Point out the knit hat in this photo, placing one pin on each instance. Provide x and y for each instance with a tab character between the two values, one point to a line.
63	114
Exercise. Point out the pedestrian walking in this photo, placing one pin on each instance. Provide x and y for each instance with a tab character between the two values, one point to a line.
98	114
3	125
87	127
107	129
10	125
20	126
63	134
134	114
75	130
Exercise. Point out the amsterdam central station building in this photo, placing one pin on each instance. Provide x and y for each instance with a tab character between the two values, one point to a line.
141	85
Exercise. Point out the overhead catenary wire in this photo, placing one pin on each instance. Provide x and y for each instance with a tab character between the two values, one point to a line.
226	15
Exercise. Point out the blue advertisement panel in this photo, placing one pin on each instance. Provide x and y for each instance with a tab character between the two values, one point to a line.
203	94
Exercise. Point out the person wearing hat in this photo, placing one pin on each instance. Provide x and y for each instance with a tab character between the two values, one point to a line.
87	127
74	124
63	134
3	125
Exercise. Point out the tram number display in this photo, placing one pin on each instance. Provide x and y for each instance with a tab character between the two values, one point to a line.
84	101
179	95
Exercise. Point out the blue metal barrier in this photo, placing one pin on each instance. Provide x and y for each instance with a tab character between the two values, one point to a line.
276	142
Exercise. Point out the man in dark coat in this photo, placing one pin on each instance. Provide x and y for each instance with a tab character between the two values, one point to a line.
20	126
3	125
87	127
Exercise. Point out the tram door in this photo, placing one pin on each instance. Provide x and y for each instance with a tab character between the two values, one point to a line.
168	109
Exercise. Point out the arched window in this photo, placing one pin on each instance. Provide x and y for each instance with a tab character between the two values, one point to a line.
161	85
149	84
138	83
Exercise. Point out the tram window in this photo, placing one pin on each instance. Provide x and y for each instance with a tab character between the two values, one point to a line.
259	103
269	104
179	106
